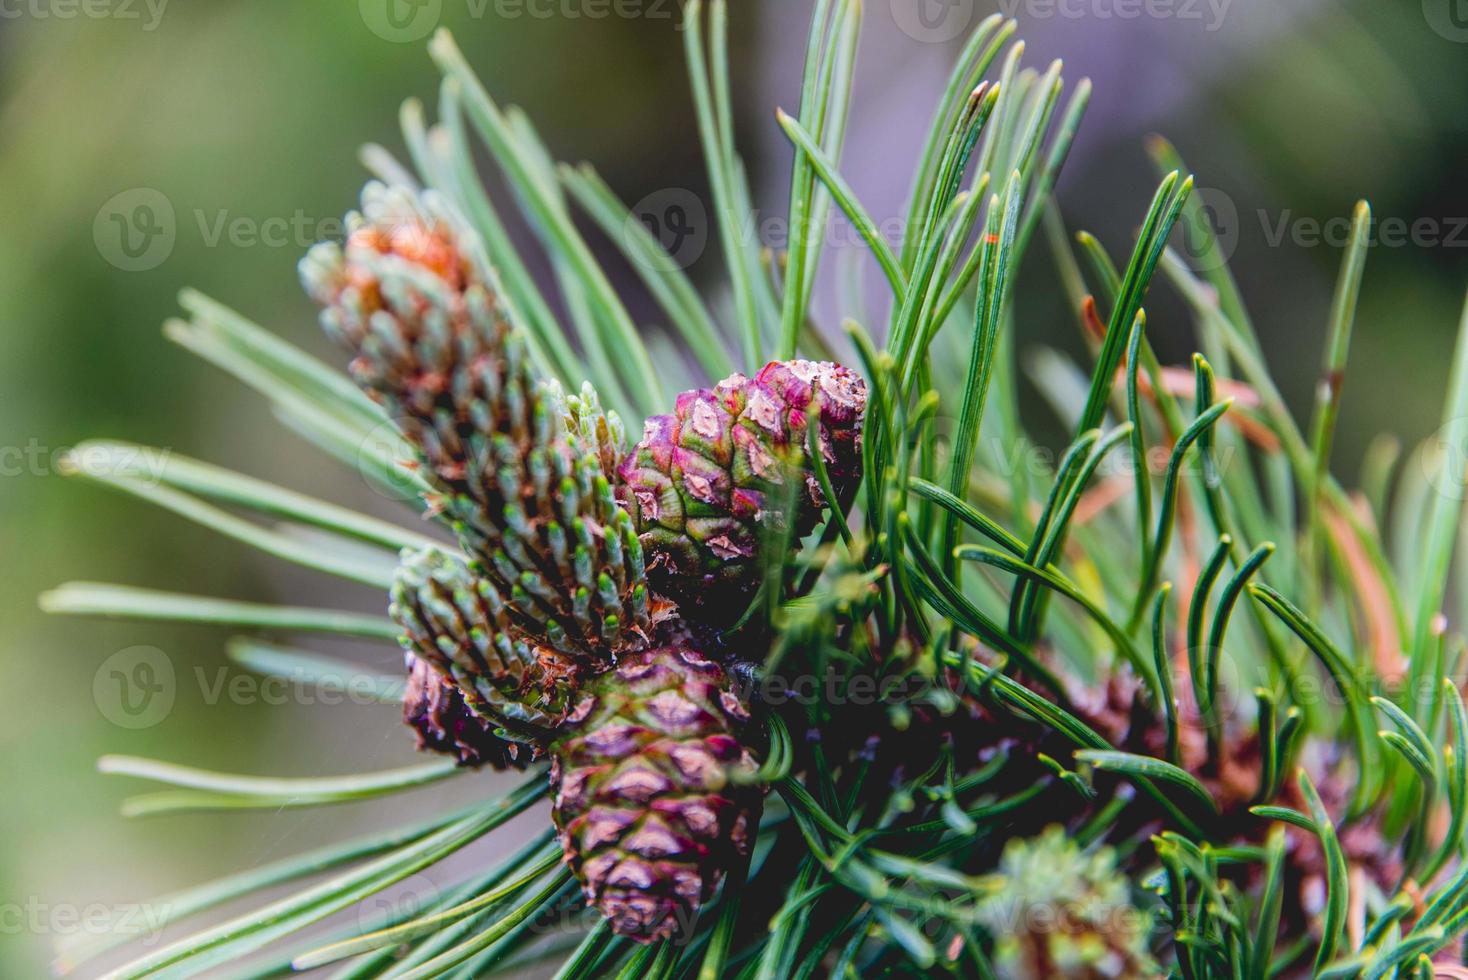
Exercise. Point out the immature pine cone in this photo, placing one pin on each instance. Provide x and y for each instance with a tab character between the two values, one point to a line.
1061	912
525	472
455	623
651	789
708	480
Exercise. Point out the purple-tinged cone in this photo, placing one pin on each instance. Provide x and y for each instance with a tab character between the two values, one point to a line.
653	791
709	481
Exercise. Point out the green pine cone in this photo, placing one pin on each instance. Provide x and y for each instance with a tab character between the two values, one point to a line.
525	472
653	791
569	560
456	622
708	482
1062	913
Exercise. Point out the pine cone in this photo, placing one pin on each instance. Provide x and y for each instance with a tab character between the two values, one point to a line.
525	472
706	481
652	793
1061	912
456	623
434	708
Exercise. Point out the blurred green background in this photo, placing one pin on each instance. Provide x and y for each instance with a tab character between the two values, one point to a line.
253	112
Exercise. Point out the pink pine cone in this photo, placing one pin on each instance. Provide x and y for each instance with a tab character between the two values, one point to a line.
709	480
653	789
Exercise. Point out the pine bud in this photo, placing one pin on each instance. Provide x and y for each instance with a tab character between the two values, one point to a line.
1060	911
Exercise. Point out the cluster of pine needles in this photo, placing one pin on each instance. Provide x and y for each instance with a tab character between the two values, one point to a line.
1288	790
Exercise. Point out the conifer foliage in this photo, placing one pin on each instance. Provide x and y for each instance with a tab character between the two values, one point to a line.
811	686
